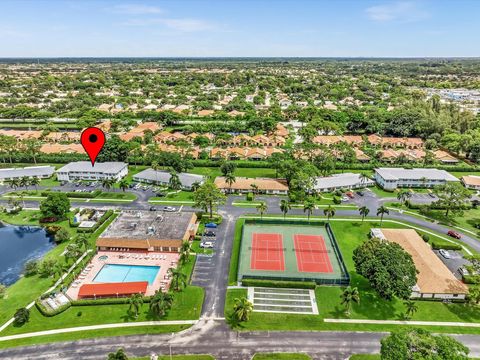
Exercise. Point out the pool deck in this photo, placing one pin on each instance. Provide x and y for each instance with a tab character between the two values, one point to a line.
168	261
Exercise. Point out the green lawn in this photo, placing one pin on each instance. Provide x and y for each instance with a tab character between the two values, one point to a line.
240	172
350	235
114	195
365	357
179	357
382	193
281	356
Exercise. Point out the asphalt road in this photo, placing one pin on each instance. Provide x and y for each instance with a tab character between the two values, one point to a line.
213	336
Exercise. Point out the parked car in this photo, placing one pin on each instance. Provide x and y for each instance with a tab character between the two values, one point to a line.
153	208
445	254
463	271
344	198
360	193
454	234
209	233
206	245
350	194
160	194
169	209
211	225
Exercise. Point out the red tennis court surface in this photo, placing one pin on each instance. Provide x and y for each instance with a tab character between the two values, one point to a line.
312	255
267	252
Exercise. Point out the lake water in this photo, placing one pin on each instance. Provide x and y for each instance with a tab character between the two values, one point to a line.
19	244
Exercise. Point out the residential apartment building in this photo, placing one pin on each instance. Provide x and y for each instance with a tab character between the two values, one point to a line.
345	181
392	178
83	170
151	176
41	172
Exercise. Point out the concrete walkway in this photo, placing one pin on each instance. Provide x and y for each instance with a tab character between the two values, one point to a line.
97	327
401	322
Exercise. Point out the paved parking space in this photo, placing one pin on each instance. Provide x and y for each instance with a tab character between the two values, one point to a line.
289	301
418	198
453	264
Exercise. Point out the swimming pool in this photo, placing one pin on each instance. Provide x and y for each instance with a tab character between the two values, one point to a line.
111	273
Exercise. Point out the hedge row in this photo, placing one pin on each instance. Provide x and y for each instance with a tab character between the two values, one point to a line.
279	284
99	223
72	194
48	312
445	246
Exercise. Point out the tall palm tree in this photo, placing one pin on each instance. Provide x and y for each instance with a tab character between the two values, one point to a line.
410	308
309	207
242	309
284	207
123	184
403	196
179	279
185	252
262	208
135	301
382	210
161	302
72	251
195	186
363	212
348	296
82	241
107	183
35	181
363	178
254	190
24	181
329	212
155	166
230	180
174	182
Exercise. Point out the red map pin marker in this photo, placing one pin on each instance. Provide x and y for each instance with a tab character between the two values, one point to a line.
92	140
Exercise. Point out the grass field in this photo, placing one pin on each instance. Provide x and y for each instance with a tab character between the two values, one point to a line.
179	357
280	356
349	236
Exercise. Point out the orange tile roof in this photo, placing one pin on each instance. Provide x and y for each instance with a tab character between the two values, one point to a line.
61	148
113	289
471	180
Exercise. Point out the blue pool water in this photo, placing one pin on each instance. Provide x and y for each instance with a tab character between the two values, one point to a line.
126	273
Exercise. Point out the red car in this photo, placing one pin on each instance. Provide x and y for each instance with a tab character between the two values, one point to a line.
454	234
350	194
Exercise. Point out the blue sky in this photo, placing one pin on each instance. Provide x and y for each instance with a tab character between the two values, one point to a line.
199	28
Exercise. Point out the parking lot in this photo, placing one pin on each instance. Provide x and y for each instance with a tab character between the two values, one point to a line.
457	261
426	199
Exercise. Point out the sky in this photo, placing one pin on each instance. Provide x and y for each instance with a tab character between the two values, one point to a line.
239	28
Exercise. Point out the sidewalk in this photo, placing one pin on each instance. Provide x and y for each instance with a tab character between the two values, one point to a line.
97	327
401	322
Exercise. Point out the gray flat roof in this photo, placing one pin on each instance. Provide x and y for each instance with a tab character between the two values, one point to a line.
141	225
164	176
415	174
33	171
86	166
340	180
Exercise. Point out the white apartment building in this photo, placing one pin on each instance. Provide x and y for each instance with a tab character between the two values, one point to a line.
83	170
393	178
41	172
345	181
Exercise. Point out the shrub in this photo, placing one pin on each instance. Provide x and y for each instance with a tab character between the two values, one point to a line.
62	235
444	245
52	229
31	267
337	200
21	316
99	223
279	283
50	312
471	279
426	238
3	291
48	219
250	196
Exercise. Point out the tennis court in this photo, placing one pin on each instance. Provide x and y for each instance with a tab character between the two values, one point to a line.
290	250
267	252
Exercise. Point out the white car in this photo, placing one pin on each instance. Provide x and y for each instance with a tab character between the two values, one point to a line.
207	245
169	209
445	254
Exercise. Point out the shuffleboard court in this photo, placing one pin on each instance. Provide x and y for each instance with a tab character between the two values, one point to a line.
312	254
267	252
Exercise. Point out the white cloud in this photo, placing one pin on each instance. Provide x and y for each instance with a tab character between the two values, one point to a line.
396	11
137	9
179	24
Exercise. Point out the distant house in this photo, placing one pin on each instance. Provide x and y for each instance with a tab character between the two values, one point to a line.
445	158
62	148
41	172
151	176
471	182
244	185
344	181
392	178
83	170
434	279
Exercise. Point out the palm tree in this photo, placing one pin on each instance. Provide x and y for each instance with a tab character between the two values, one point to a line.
123	184
230	180
404	195
309	207
82	241
363	178
254	190
284	207
329	212
242	309
185	252
348	296
107	183
35	181
262	208
72	252
161	303
382	210
195	186
410	308
174	182
363	211
179	279
135	301
24	181
155	167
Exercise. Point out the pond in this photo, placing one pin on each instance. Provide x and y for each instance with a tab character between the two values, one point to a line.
19	244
